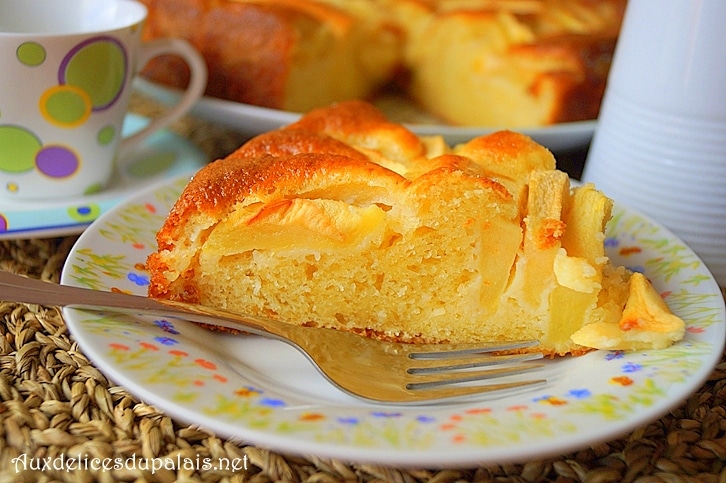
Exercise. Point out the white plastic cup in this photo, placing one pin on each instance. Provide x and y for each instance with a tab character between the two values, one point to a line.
66	69
660	144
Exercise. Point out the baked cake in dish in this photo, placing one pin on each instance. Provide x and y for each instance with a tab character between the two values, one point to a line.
285	54
496	63
349	221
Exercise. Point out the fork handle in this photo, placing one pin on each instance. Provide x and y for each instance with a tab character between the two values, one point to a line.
22	289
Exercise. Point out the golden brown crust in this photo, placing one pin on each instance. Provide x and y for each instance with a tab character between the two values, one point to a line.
217	187
293	141
256	74
360	123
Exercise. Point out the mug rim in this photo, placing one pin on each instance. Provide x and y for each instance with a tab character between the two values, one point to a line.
135	13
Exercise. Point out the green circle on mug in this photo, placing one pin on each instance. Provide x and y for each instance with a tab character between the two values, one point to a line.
18	148
98	67
31	53
67	106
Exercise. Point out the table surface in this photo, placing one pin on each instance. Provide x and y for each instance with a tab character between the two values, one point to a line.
54	402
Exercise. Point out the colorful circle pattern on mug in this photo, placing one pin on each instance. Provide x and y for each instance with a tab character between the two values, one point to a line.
91	78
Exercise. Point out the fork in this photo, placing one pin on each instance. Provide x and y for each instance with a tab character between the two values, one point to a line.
368	369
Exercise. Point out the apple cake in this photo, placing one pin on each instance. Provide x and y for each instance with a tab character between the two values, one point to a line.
495	63
349	221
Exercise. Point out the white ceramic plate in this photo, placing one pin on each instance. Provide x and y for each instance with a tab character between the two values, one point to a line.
253	120
263	392
164	155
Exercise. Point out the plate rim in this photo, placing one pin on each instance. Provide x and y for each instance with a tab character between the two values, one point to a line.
558	137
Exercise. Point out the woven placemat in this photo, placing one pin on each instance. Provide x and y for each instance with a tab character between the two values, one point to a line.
55	405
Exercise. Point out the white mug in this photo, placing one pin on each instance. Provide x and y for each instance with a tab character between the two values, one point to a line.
660	144
66	69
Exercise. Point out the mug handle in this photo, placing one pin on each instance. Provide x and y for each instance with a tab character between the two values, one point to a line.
195	89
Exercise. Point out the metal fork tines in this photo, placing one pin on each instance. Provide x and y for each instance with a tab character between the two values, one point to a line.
372	370
442	369
431	373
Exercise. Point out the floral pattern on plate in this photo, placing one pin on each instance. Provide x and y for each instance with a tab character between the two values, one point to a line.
265	392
